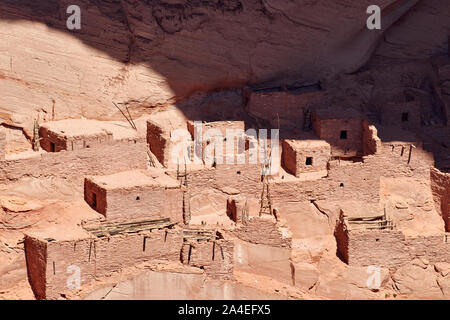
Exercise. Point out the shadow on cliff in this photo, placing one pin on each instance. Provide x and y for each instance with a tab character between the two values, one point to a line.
205	45
175	41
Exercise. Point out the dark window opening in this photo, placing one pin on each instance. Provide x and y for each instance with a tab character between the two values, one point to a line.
341	185
344	134
87	147
52	147
377	240
309	161
405	117
138	198
238	172
409	97
94	200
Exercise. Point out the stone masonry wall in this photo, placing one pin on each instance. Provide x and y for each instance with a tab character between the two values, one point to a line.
440	186
103	160
391	248
51	262
330	131
261	105
294	157
124	204
36	259
159	143
53	142
262	231
215	257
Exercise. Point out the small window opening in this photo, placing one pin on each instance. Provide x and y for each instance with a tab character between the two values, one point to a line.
52	147
309	161
138	198
344	134
341	185
405	117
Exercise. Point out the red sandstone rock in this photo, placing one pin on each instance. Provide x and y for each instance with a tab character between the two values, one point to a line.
378	134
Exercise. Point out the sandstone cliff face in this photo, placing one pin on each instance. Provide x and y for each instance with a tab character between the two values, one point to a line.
151	52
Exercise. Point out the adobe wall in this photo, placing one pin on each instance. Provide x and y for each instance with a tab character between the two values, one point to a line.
125	204
94	257
432	248
346	181
244	177
349	180
221	126
388	248
158	140
392	161
102	160
54	142
95	196
261	105
262	231
237	207
36	260
330	131
377	247
392	113
215	257
371	142
440	187
294	157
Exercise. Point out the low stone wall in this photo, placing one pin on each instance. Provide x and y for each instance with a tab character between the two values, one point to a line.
262	231
378	248
389	249
137	203
215	257
52	264
106	159
54	142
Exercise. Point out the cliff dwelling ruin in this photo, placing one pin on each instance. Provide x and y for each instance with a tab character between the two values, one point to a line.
215	171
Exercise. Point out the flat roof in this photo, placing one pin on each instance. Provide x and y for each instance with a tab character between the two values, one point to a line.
78	128
309	143
135	178
357	208
168	120
60	234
